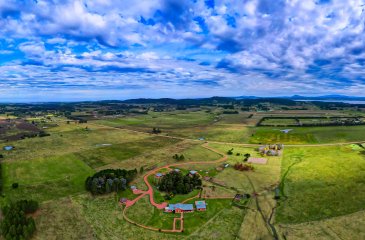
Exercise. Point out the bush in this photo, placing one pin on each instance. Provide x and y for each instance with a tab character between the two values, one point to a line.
178	157
243	167
15	185
230	152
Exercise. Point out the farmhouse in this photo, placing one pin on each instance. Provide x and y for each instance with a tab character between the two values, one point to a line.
179	208
200	205
271	150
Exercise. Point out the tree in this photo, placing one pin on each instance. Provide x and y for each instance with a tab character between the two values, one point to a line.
141	170
230	152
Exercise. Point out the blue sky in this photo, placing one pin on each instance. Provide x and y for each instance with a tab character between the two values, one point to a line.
105	49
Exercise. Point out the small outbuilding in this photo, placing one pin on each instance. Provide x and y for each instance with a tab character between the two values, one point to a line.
193	172
158	175
8	148
123	200
200	205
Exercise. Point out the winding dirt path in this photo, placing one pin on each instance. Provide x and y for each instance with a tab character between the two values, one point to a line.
149	192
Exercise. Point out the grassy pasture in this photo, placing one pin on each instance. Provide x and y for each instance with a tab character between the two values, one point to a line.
343	227
45	178
104	216
76	140
165	120
312	135
199	153
62	219
103	155
322	182
217	132
279	122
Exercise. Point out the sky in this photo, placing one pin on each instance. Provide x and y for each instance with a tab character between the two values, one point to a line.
110	49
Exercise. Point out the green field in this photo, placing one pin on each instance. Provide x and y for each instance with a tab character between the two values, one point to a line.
320	183
177	119
322	187
312	135
45	178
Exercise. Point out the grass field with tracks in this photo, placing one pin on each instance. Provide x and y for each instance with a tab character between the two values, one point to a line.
320	183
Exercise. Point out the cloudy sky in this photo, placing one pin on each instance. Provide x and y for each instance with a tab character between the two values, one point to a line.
110	49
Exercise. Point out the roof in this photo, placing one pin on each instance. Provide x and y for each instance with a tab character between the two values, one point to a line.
182	206
193	172
177	170
200	204
159	174
133	187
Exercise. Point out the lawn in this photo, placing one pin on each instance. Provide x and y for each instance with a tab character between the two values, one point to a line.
45	178
321	182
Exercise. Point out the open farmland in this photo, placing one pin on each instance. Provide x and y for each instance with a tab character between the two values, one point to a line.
53	170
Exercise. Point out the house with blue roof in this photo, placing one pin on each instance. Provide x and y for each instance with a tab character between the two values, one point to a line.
158	175
193	172
200	205
179	208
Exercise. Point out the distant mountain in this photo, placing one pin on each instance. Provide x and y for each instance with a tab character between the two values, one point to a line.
314	98
328	97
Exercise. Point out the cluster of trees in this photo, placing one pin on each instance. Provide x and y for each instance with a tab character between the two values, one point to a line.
243	167
179	157
109	180
156	131
230	112
16	224
177	183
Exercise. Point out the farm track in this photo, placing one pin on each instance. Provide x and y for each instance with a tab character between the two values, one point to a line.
236	144
149	192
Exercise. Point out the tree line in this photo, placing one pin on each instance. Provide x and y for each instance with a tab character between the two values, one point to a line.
177	183
16	224
109	180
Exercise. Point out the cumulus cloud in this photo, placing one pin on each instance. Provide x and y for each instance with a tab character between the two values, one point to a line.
227	47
